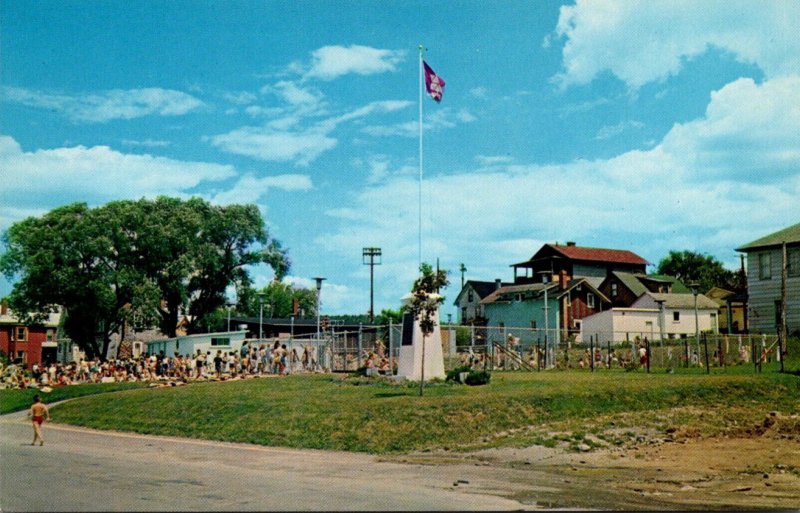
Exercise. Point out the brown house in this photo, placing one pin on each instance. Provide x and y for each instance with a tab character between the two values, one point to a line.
623	289
577	262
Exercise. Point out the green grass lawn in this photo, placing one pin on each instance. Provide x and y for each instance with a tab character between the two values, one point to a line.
15	400
376	416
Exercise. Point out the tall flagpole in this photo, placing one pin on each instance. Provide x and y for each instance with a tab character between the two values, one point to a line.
421	87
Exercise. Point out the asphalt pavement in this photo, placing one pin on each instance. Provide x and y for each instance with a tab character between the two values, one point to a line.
80	469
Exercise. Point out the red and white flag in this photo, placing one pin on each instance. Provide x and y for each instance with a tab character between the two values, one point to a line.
433	83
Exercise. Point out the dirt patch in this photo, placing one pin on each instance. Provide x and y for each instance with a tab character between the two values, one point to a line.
753	466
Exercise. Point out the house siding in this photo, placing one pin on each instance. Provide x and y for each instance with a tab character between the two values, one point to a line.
522	314
763	293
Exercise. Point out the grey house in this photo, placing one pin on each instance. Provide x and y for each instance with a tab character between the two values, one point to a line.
764	265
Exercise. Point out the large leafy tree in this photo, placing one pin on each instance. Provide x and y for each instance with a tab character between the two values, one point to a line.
691	267
147	259
278	300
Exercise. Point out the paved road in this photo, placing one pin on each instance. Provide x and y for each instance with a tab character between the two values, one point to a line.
85	470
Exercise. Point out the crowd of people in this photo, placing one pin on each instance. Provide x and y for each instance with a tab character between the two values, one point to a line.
250	360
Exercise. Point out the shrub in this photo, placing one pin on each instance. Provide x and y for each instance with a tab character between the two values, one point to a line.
453	374
475	378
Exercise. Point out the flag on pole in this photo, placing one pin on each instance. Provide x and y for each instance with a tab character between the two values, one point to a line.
433	83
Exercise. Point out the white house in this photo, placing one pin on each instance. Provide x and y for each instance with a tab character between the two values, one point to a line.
641	319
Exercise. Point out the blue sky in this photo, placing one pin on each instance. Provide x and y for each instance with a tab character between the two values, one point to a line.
647	126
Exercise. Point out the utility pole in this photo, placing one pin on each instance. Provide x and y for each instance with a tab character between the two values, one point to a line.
372	254
782	331
463	269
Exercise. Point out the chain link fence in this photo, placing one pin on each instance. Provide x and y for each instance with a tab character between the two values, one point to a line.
527	349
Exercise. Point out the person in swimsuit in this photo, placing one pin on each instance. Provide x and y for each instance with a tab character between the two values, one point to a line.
39	413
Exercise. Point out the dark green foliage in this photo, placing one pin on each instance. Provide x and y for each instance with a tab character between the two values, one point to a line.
453	374
705	270
476	378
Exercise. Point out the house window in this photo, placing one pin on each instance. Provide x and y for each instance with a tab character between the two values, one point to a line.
21	333
50	335
676	316
220	341
533	325
778	313
794	262
470	296
613	290
590	300
764	266
463	313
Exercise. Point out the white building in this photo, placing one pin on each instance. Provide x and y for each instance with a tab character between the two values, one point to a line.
641	319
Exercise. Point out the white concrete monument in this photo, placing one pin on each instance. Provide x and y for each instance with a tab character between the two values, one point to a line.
411	359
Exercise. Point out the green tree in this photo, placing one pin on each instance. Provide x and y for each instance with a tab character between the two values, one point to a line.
68	258
144	260
278	300
691	267
425	303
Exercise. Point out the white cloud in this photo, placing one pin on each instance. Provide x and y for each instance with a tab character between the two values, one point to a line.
330	62
108	105
94	175
250	189
435	120
240	98
147	143
646	41
493	160
283	140
609	131
264	143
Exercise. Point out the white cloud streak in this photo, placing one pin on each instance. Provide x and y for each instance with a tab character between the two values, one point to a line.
106	106
331	62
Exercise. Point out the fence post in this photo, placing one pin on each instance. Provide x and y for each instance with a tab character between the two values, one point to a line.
705	345
647	352
538	354
391	367
686	351
360	335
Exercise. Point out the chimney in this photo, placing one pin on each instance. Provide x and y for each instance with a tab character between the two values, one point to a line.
570	244
497	283
563	279
3	307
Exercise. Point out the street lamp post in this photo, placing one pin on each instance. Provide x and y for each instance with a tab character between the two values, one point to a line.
260	315
661	327
229	305
319	288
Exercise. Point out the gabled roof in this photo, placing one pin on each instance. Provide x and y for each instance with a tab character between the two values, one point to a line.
583	282
634	282
586	254
790	235
503	292
482	288
683	301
